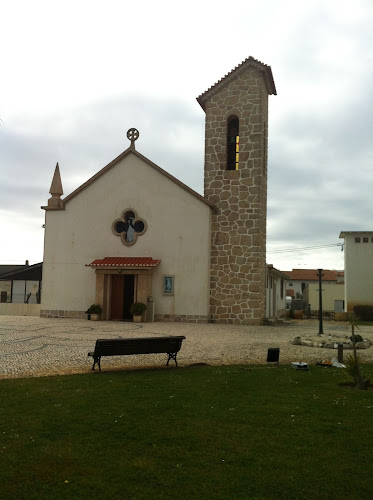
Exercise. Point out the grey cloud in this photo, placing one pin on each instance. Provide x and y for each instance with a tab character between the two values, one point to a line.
315	188
86	139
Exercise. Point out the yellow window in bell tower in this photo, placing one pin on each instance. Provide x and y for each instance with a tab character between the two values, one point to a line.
237	151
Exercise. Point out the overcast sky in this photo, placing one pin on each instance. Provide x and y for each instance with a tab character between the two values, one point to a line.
76	75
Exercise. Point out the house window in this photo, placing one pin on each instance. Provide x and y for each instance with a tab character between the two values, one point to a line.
233	143
26	292
357	240
32	292
18	291
365	240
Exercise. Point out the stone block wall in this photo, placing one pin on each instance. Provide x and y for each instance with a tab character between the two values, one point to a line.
45	313
238	245
181	318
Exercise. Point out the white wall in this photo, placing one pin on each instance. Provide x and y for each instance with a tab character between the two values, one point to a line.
178	233
19	309
330	293
358	270
296	285
275	300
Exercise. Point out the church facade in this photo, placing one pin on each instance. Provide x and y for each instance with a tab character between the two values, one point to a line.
134	233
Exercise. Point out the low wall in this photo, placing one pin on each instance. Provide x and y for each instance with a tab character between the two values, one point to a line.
20	309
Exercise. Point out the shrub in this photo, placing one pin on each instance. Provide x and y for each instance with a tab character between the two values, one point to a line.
94	309
364	313
352	368
137	308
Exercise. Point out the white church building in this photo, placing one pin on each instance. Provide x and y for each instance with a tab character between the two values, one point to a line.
134	233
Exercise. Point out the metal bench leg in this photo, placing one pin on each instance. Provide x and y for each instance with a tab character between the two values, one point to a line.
172	355
98	361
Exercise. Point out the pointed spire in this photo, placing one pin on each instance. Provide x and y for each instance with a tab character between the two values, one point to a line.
56	189
56	186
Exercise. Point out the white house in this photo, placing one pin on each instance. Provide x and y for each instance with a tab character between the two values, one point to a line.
299	279
358	258
332	296
276	282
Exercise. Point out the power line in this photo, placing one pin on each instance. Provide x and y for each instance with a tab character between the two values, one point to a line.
319	247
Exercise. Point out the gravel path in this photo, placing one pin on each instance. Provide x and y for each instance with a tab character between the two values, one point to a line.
31	346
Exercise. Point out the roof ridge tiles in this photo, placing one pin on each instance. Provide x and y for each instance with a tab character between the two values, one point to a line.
255	62
124	262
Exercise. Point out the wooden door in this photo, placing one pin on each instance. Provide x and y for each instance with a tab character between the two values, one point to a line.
117	295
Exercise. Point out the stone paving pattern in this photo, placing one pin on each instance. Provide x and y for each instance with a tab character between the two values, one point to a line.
31	346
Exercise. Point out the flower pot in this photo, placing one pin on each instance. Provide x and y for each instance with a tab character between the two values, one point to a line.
137	319
95	317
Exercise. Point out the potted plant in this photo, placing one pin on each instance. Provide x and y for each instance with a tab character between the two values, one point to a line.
137	310
94	312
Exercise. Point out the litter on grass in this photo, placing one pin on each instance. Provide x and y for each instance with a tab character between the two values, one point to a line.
300	366
332	364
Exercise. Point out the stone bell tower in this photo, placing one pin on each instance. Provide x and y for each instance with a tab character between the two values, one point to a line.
236	131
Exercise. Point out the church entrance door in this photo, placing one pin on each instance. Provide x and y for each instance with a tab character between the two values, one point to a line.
122	296
129	294
118	289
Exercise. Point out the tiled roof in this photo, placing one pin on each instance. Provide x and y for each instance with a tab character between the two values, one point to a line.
250	61
312	274
276	272
125	262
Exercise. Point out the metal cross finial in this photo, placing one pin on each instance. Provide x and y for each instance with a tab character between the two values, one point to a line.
133	134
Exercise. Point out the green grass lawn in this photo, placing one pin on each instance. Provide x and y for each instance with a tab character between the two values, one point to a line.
188	433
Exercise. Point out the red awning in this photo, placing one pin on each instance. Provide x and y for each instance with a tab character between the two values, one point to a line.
125	262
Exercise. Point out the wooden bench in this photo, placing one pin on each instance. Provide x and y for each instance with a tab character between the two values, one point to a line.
126	347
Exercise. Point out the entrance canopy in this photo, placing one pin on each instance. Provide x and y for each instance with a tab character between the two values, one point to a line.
124	262
122	281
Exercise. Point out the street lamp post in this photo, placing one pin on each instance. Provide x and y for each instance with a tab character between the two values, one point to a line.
320	303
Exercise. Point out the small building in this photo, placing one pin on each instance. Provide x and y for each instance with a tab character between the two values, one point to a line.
299	279
6	284
23	294
358	259
275	292
332	296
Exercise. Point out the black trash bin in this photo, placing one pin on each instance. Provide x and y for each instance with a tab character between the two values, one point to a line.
273	355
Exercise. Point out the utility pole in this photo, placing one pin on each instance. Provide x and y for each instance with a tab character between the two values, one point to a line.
320	303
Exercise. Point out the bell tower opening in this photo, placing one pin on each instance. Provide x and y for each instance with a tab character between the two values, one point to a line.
233	134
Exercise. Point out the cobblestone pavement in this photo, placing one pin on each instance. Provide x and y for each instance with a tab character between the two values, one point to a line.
32	346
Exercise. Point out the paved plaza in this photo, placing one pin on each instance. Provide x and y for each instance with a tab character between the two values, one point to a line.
32	346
